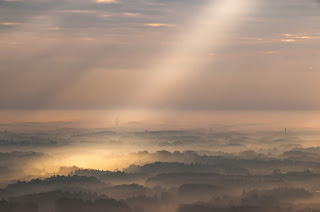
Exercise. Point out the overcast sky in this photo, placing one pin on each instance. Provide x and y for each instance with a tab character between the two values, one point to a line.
173	54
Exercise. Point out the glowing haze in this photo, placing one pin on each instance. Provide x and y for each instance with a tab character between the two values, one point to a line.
72	60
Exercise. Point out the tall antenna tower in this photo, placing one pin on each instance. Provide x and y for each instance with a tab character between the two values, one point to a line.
285	131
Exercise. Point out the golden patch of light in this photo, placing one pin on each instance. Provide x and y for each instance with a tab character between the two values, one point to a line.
294	38
96	158
86	160
305	37
288	40
106	1
158	25
308	38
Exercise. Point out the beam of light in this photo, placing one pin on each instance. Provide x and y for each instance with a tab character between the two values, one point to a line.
206	33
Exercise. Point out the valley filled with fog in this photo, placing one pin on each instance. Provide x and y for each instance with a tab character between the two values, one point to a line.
60	168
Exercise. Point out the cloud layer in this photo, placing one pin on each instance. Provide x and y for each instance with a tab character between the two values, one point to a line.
85	54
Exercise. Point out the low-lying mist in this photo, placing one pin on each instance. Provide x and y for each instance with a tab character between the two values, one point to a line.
123	168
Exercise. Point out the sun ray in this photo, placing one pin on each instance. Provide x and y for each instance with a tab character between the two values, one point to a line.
208	31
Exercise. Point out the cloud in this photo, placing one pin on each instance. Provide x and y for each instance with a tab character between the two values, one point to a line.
106	1
88	39
291	38
77	11
127	34
288	40
131	14
9	24
158	25
269	52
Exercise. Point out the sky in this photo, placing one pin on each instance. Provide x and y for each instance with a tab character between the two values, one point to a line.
196	55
